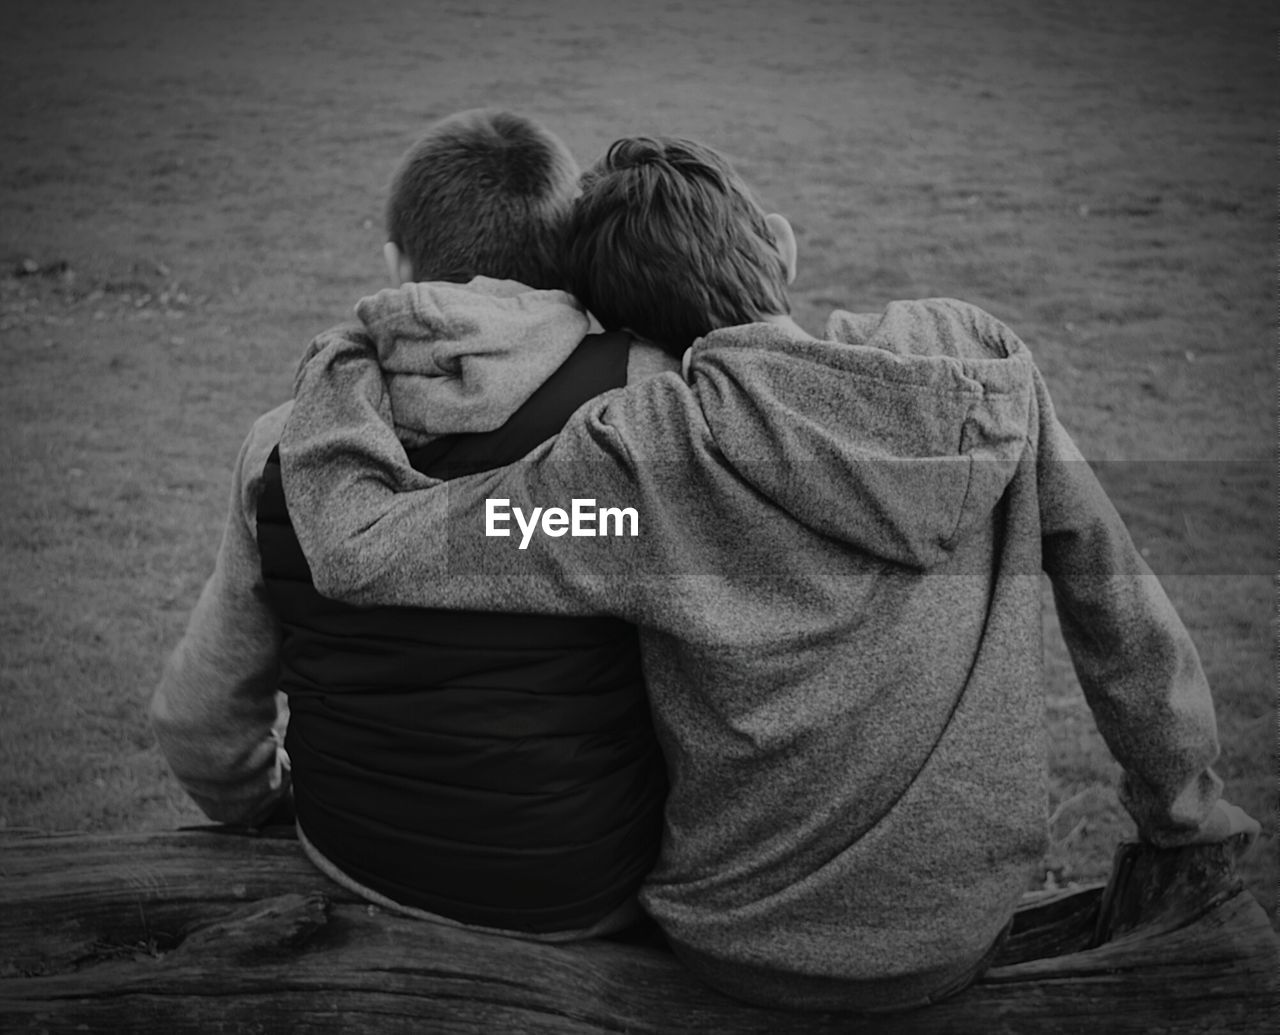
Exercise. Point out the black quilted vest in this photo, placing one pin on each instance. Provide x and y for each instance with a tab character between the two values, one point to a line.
499	769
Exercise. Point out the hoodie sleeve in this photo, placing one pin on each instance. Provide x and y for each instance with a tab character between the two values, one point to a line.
375	531
459	358
216	712
1136	663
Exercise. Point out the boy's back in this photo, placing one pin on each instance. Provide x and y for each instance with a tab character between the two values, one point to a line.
497	770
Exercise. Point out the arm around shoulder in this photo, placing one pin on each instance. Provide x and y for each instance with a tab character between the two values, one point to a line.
375	531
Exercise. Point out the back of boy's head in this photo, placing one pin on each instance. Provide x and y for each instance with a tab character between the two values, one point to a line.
667	241
484	193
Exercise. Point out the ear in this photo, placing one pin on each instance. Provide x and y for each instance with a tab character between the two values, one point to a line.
784	239
399	269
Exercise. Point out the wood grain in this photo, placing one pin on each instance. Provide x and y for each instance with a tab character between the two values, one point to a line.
199	931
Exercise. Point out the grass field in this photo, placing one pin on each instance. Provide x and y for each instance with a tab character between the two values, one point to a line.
189	191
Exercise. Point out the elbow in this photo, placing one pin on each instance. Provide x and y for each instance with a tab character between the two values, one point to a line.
324	577
344	571
334	571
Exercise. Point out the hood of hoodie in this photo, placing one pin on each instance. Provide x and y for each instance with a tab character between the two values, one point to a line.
464	357
896	434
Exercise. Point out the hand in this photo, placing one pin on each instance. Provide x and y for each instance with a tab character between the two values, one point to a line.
1226	821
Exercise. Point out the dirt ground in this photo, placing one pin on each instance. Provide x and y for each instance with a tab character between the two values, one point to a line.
191	190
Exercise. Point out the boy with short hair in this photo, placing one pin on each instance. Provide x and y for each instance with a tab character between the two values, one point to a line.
493	771
837	587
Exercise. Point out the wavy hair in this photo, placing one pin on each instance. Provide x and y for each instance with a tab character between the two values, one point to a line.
667	241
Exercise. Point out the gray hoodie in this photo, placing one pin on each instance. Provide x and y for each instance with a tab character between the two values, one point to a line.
837	580
455	358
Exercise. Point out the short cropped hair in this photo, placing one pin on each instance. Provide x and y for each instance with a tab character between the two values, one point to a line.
484	192
667	241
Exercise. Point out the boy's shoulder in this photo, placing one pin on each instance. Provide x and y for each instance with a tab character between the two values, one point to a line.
644	359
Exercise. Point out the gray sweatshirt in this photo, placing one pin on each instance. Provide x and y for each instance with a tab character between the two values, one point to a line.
455	358
836	575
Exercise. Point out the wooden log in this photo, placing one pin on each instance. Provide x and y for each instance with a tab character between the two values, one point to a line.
204	932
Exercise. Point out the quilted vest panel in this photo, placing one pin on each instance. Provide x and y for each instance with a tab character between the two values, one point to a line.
499	769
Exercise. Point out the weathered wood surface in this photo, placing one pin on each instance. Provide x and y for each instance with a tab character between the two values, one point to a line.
204	932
